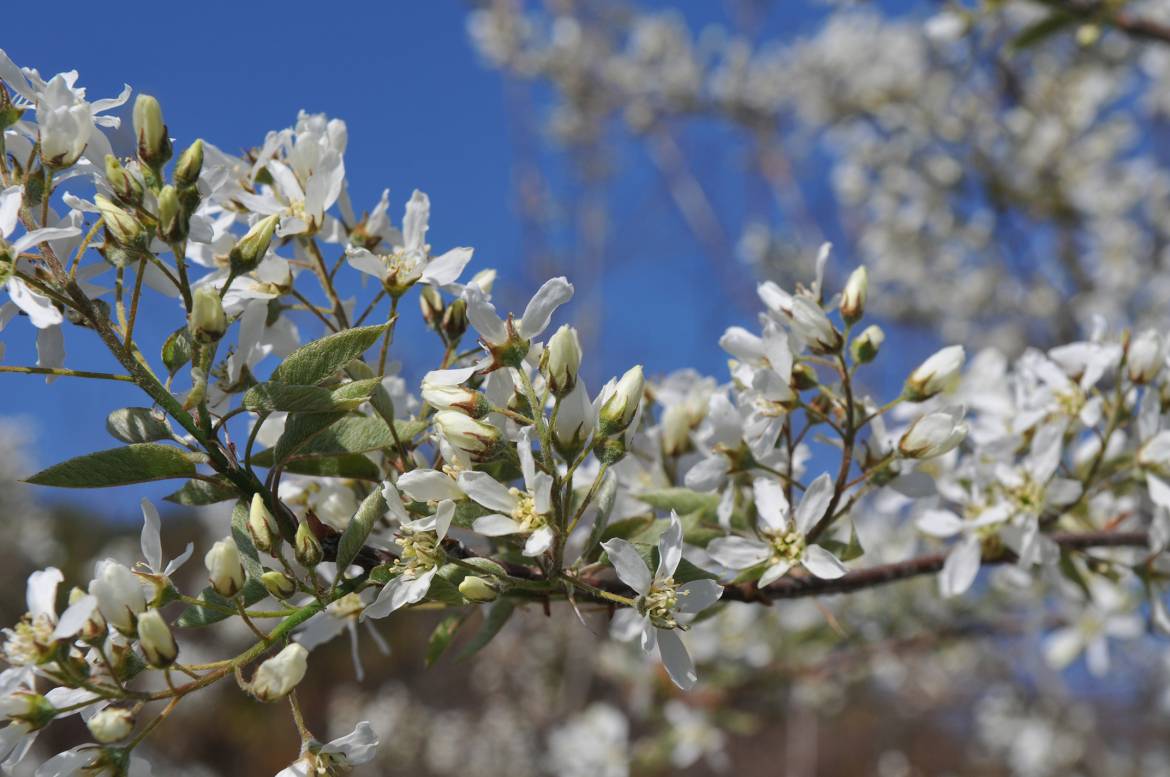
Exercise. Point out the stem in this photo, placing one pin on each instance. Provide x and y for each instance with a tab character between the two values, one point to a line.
65	373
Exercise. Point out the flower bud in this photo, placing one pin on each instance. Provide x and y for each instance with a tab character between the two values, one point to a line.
619	408
609	450
1145	357
278	584
262	526
853	298
458	398
430	302
933	435
154	635
189	166
252	247
562	361
279	675
31	710
866	345
676	430
935	374
812	325
455	320
121	225
119	595
804	377
476	589
111	725
308	548
126	187
225	570
478	439
574	422
154	147
173	223
208	322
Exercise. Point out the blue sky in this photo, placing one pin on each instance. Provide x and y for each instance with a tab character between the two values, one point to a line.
422	112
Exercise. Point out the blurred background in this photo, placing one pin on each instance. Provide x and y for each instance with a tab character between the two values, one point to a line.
1001	167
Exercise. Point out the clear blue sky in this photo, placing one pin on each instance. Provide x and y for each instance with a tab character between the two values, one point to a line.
422	112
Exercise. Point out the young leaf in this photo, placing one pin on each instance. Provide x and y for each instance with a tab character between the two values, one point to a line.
196	493
314	362
351	434
442	635
681	500
497	615
176	351
137	424
138	463
270	397
354	538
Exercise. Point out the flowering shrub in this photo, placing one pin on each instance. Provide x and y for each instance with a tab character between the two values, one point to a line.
649	503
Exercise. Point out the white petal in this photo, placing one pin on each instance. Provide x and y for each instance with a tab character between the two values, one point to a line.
939	523
670	548
554	293
676	659
961	567
708	473
738	552
496	525
453	377
628	564
151	540
483	488
527	463
398	593
822	563
539	542
627	625
428	485
814	503
447	268
774	573
75	616
698	595
365	261
771	502
357	746
41	311
444	514
41	591
51	349
10	199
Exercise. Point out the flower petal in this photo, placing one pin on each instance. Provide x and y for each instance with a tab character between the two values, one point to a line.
676	659
628	564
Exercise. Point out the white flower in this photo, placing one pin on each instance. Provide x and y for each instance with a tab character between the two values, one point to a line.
336	757
40	309
151	543
472	438
517	512
663	606
495	332
111	724
965	557
419	561
279	675
619	404
1105	616
782	542
155	637
593	743
1146	357
411	262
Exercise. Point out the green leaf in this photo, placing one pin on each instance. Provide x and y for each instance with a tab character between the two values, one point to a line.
349	465
138	463
298	430
686	571
497	615
196	493
354	537
442	590
1045	28
442	635
177	350
681	500
845	551
351	434
270	397
197	615
137	424
314	362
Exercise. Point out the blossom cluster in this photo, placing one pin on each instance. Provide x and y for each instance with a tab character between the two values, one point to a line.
343	498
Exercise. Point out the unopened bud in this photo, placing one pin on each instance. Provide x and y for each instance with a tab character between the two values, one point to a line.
803	377
455	320
224	568
867	344
464	400
208	322
676	430
251	248
853	298
609	450
119	595
562	361
278	584
934	375
32	710
279	675
189	166
94	630
308	548
430	302
478	439
154	147
476	589
618	410
111	725
262	526
933	435
157	641
173	222
1145	357
126	187
121	225
574	422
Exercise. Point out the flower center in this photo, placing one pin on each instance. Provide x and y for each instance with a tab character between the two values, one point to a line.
660	602
786	545
420	552
31	641
525	513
